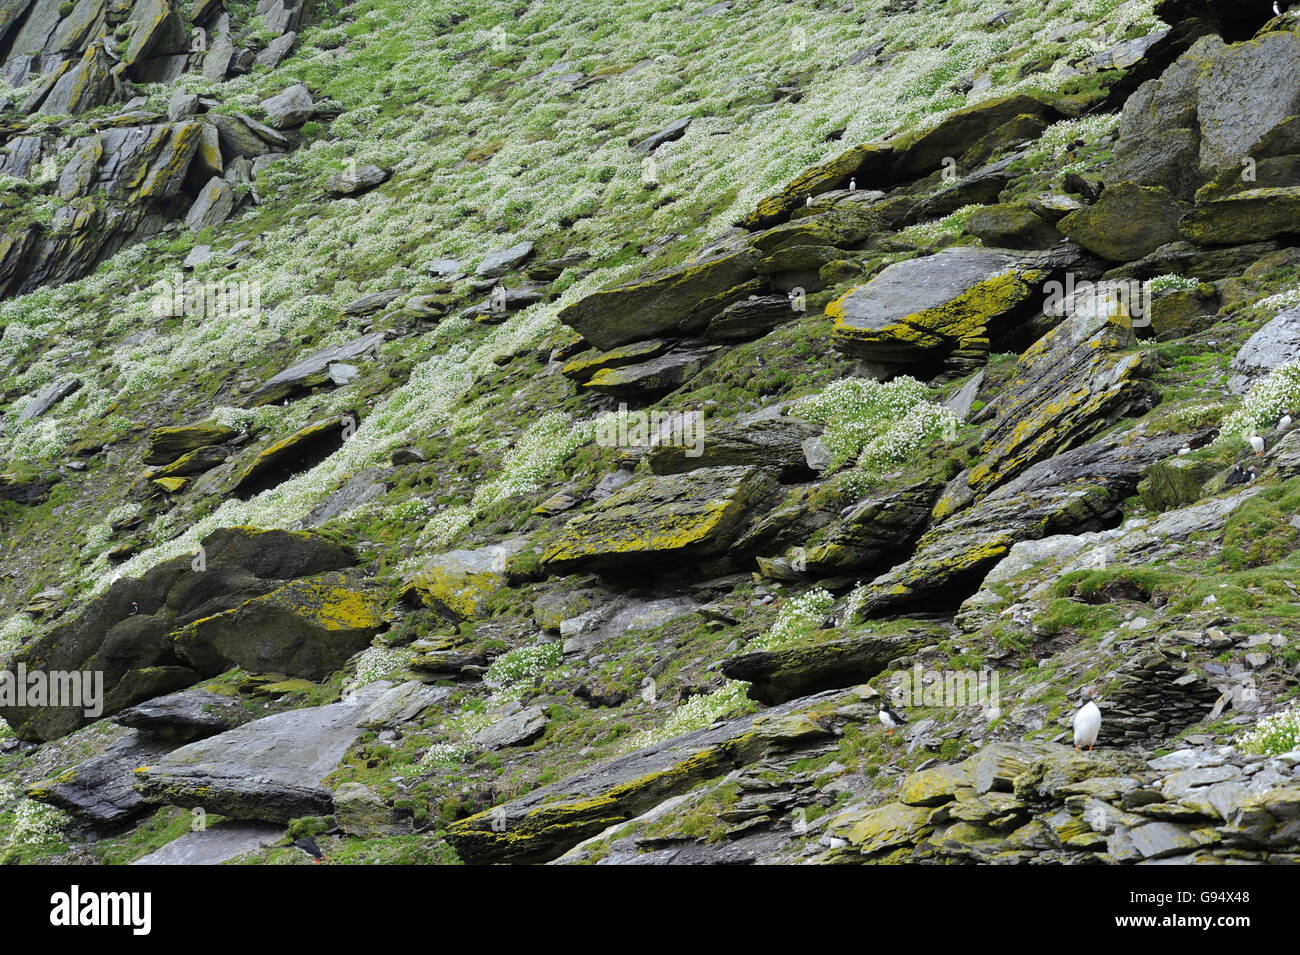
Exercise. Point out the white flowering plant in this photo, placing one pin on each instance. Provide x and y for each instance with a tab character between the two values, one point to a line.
1276	392
877	424
1275	734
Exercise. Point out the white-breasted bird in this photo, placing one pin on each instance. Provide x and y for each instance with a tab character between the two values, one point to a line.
1087	721
808	202
1256	443
890	719
1276	11
1185	450
853	185
1285	420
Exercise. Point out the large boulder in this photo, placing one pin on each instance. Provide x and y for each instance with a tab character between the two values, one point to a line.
923	308
1250	216
126	632
675	517
1128	222
272	769
1207	111
1277	343
826	660
924	153
313	370
460	582
673	301
307	628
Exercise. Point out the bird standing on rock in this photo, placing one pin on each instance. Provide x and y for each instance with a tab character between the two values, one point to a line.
1284	421
1256	443
890	719
1185	450
1087	721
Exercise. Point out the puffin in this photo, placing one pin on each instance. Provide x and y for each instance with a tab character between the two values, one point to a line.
308	845
1185	450
890	719
808	202
853	185
1257	443
1087	721
1285	420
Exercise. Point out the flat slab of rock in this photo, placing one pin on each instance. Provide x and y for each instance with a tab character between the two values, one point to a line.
100	791
651	378
313	370
214	845
496	264
356	181
373	302
185	716
552	819
671	301
460	582
402	703
681	515
169	443
777	444
819	663
270	769
924	307
674	130
47	398
517	729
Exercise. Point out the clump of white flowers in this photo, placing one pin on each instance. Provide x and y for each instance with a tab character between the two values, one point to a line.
1173	283
797	616
878	424
951	226
697	713
376	663
36	824
524	663
16	628
1279	733
1263	405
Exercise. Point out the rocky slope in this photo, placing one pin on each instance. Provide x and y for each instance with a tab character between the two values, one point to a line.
547	434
